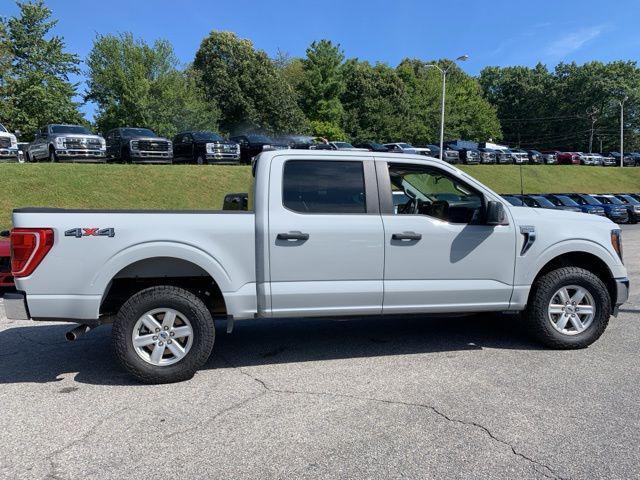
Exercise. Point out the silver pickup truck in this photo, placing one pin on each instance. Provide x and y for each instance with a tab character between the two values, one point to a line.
325	238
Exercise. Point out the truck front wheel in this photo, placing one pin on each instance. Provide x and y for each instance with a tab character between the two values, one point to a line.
568	308
163	334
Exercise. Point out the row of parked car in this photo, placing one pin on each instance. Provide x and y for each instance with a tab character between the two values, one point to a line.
56	143
619	207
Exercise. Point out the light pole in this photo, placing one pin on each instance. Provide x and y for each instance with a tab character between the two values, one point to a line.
621	102
444	71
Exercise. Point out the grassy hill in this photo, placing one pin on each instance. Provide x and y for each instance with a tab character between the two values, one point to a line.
204	187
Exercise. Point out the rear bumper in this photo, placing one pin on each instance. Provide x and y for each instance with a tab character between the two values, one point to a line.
15	305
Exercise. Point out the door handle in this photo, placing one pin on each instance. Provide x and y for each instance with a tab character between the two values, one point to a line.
406	236
293	236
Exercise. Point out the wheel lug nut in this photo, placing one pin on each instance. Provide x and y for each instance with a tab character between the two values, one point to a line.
172	333
157	330
160	343
166	328
169	341
155	337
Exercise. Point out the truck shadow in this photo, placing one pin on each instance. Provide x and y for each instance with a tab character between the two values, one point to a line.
39	353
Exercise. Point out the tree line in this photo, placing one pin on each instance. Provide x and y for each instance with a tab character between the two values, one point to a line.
231	86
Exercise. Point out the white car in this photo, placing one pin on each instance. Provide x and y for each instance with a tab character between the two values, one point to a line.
8	146
403	147
346	146
326	239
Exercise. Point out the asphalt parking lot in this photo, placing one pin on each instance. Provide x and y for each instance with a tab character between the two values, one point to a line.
466	397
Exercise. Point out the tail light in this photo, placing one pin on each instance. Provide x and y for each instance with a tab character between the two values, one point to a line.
29	246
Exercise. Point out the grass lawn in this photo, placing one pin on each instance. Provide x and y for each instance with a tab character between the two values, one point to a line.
204	187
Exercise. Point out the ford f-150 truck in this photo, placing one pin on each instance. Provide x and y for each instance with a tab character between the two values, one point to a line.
324	238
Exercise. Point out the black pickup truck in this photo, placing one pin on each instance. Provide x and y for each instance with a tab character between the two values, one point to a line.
204	147
251	144
138	145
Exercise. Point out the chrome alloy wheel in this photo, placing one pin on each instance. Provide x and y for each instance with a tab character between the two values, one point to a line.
572	310
162	337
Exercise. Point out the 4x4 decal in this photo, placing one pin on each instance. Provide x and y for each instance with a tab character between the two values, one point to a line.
90	232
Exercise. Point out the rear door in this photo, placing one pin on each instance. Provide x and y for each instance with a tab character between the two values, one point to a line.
325	237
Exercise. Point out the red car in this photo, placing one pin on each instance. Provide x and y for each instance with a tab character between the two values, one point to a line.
568	158
6	280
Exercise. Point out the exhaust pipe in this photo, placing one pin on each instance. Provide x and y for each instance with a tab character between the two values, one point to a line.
73	335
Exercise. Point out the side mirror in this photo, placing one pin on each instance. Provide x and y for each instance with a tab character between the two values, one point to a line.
17	133
495	214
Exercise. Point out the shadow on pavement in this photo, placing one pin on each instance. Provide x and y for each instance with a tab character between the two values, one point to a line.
40	354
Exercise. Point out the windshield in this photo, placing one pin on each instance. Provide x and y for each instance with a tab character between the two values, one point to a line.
515	201
137	132
70	129
630	200
590	200
208	136
2	129
544	202
405	145
257	138
610	200
567	202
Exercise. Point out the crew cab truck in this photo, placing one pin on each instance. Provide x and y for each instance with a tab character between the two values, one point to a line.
204	147
138	145
8	146
57	143
324	239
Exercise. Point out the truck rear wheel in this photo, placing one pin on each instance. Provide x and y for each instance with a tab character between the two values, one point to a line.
163	334
569	308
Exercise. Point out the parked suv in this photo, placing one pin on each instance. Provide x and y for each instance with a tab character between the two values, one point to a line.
628	160
76	143
614	200
251	144
8	145
449	155
488	155
470	156
138	145
582	205
617	213
520	156
550	157
204	147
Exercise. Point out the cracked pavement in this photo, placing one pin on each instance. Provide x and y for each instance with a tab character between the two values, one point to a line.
463	397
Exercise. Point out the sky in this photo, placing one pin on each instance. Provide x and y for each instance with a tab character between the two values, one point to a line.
491	32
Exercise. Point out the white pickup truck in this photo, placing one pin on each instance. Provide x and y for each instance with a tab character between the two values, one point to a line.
325	238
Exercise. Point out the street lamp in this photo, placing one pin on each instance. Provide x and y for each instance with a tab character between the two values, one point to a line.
444	71
621	103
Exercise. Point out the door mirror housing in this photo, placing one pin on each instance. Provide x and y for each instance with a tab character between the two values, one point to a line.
495	214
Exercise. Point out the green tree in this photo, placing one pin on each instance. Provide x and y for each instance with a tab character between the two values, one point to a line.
136	84
375	102
565	108
247	86
468	114
322	83
34	72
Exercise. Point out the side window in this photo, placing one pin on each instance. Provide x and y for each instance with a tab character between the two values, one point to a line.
430	191
317	186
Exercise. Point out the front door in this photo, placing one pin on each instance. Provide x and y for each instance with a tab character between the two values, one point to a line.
439	256
325	237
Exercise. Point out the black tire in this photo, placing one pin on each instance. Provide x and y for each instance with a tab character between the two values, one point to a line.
541	295
178	299
53	158
200	160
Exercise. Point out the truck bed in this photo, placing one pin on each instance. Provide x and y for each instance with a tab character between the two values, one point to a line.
73	278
